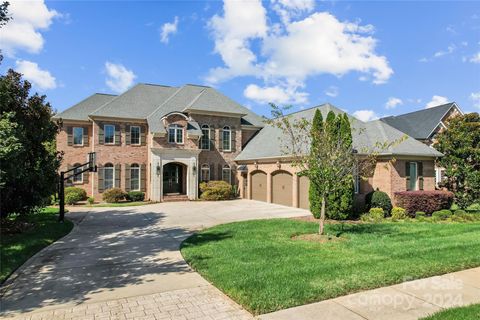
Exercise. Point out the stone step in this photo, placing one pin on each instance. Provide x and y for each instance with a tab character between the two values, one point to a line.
172	198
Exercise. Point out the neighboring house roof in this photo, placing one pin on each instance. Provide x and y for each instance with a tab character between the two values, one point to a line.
151	102
81	110
420	124
366	136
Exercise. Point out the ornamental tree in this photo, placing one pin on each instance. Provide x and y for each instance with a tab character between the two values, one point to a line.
460	144
28	158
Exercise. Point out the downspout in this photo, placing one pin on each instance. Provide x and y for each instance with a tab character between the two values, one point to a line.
93	150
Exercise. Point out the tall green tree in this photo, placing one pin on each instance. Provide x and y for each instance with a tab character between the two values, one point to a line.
314	194
460	144
28	159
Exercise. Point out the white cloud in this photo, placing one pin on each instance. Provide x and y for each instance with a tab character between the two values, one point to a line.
118	78
294	51
42	79
365	115
22	32
393	102
436	101
475	97
168	29
275	94
287	9
475	58
451	48
332	91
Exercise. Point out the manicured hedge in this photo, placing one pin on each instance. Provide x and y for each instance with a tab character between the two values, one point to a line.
135	196
114	195
378	199
215	190
74	195
426	201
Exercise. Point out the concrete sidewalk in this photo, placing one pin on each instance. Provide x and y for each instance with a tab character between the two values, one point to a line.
408	300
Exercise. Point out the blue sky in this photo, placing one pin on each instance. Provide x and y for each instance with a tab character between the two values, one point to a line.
370	58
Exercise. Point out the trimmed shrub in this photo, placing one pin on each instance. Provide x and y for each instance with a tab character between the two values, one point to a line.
374	215
74	195
473	207
454	207
442	214
399	213
90	200
135	196
378	199
420	214
215	190
427	201
114	195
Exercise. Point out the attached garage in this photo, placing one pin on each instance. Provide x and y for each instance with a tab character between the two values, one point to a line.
282	188
303	186
259	186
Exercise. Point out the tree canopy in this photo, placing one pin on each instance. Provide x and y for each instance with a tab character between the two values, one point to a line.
28	158
460	144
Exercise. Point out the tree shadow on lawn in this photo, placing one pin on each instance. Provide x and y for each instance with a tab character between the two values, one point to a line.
199	239
107	250
370	228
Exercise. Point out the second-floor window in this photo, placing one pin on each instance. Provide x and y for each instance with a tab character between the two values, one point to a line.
77	136
135	135
205	140
109	132
175	133
227	139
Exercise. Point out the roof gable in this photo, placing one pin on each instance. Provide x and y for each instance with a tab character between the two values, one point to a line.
419	124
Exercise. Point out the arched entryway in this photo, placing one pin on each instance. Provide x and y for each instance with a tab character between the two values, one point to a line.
174	178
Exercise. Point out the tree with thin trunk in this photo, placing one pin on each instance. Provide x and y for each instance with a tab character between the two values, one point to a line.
322	154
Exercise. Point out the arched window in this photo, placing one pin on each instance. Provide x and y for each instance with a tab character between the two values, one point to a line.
227	174
175	133
108	176
205	174
205	140
135	177
227	139
77	178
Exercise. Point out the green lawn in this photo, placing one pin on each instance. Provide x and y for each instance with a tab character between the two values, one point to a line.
15	249
471	312
259	266
120	204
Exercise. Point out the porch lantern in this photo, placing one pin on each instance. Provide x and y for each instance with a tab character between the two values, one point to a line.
194	169
159	169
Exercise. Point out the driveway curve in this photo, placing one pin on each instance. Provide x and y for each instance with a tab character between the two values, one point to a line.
125	263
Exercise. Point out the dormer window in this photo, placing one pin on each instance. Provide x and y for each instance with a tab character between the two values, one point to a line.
175	134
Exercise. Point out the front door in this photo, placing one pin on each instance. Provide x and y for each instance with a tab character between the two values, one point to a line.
172	178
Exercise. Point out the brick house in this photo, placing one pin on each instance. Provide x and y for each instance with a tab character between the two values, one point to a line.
164	140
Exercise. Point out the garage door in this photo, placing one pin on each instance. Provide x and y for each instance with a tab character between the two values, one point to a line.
259	186
282	188
303	186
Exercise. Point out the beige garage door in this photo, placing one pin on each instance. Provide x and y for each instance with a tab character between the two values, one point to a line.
303	186
259	186
282	188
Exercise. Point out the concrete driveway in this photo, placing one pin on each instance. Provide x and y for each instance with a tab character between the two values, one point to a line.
125	262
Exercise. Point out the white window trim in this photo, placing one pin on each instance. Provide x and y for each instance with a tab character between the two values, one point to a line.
205	127
105	136
416	175
73	138
229	174
80	175
139	135
227	129
113	177
139	178
176	127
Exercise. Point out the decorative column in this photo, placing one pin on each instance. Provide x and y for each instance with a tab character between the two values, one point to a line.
269	187
295	190
249	186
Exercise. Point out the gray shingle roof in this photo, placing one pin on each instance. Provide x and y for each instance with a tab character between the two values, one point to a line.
419	124
268	142
81	110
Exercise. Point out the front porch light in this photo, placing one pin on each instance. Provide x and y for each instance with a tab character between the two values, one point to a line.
194	169
159	169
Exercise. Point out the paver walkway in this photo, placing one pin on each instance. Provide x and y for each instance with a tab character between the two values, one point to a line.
125	262
405	301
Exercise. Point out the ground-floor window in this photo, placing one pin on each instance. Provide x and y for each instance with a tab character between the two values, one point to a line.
78	177
135	177
205	172
412	175
108	176
227	174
